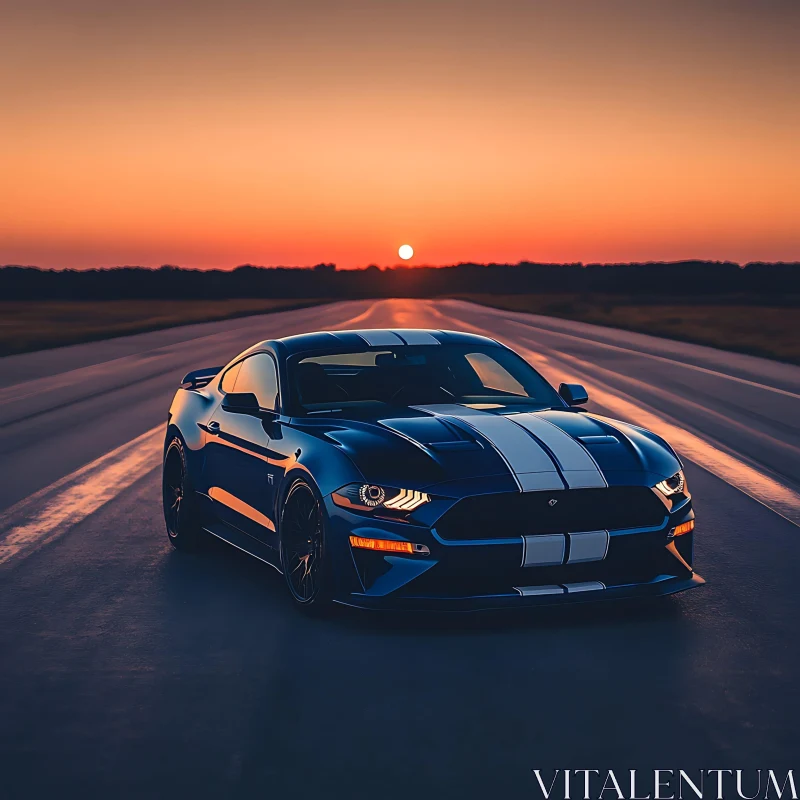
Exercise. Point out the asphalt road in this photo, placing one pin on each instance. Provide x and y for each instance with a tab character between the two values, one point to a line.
130	670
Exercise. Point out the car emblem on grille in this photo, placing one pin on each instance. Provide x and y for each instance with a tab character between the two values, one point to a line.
552	502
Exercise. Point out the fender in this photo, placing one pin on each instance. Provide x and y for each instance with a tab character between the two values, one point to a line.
324	463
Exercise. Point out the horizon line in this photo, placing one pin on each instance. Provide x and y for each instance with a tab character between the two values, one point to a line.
402	266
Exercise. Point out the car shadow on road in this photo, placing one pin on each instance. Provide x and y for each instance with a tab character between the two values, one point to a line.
247	586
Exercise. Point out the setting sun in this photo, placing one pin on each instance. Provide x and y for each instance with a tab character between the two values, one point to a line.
405	252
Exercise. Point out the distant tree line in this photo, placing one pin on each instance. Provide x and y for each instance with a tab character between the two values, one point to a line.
683	280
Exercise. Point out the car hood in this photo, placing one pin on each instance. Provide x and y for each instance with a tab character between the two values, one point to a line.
457	449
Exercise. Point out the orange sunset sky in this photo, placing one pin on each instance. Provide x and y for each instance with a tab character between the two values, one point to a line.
210	134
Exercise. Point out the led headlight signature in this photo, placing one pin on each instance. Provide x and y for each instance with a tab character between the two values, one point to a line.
407	500
369	497
674	485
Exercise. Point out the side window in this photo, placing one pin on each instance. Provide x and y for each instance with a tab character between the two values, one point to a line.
229	378
258	376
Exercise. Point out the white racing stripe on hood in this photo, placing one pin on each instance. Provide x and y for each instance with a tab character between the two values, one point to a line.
380	338
529	462
580	470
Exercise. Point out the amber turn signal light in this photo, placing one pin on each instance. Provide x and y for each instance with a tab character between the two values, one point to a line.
684	527
388	545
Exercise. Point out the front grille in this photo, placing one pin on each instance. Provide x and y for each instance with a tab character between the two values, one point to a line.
499	516
619	569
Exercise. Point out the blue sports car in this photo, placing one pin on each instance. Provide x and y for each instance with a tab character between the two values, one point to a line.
422	469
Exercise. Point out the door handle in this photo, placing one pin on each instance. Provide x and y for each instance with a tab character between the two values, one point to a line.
213	427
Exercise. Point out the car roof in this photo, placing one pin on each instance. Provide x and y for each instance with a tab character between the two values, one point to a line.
363	339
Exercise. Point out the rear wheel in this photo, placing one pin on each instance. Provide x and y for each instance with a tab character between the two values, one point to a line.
180	513
303	556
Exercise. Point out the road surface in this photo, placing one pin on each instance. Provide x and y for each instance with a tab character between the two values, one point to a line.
131	670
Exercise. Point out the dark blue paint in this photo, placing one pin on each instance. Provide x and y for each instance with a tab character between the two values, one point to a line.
256	458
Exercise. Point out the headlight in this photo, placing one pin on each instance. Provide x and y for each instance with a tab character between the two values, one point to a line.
406	500
371	497
674	485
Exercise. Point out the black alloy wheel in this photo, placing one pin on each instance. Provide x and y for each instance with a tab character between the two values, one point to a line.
303	545
177	499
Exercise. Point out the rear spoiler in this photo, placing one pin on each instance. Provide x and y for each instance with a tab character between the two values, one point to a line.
199	378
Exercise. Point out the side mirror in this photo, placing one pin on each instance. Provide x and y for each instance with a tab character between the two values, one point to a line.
240	403
573	393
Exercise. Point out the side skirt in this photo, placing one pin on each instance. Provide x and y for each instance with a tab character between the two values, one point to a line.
247	544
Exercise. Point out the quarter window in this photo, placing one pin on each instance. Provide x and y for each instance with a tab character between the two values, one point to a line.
259	376
229	378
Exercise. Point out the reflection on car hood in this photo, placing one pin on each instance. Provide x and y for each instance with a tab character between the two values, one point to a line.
451	447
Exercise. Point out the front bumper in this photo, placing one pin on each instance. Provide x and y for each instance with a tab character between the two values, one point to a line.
481	574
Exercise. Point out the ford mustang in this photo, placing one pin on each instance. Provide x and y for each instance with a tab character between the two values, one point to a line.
422	469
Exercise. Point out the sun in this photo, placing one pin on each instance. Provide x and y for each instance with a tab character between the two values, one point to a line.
405	252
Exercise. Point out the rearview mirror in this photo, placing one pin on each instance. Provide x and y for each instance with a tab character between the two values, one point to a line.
240	403
573	393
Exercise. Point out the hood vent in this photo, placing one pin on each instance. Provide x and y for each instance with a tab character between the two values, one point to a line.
458	445
598	439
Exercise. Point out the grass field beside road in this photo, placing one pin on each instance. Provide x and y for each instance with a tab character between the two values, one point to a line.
770	329
35	325
767	328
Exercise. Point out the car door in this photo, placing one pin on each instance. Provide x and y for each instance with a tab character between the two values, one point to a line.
242	468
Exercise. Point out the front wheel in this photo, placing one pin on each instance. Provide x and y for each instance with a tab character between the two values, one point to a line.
177	494
302	539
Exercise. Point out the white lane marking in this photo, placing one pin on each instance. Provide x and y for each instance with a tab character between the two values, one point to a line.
596	343
50	512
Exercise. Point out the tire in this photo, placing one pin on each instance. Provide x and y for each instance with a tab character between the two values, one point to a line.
180	506
304	561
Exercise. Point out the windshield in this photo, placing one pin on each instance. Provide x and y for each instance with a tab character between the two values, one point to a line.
483	377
